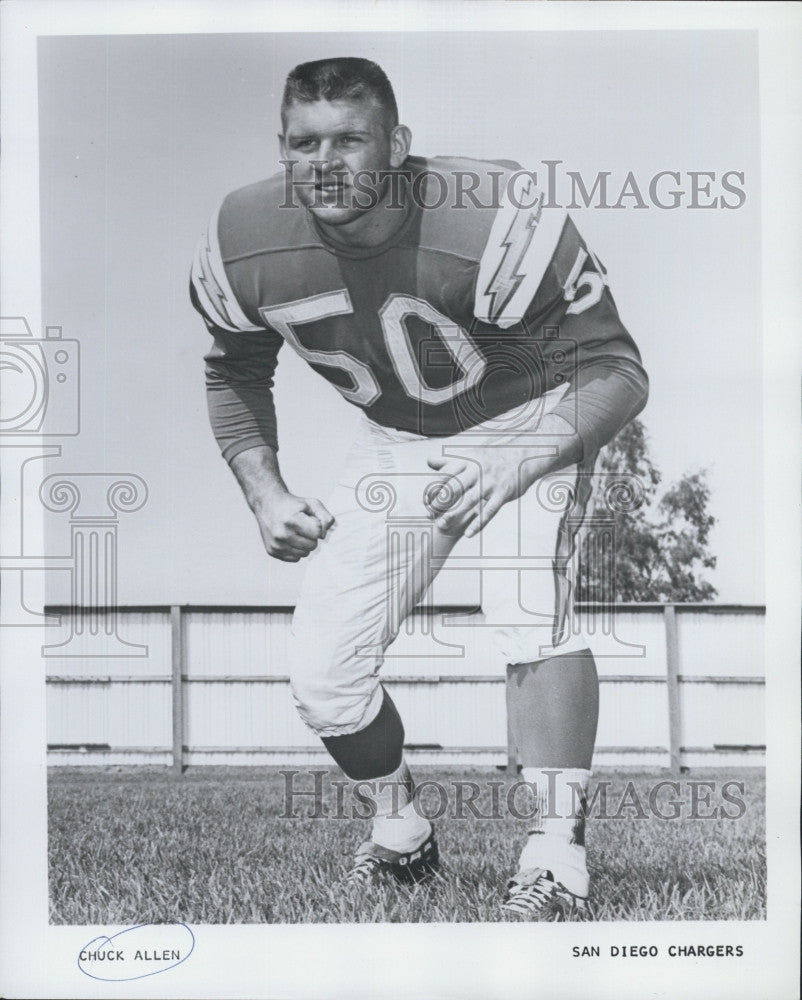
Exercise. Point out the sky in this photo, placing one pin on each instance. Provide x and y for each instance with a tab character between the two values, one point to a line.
141	136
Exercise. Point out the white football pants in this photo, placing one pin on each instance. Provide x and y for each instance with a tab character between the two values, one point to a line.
384	551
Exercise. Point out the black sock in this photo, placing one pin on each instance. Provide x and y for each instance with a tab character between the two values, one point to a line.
375	750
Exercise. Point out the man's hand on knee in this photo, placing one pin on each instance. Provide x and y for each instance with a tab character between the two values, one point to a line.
472	492
476	487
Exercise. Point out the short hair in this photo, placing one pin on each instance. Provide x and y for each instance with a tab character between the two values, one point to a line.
347	78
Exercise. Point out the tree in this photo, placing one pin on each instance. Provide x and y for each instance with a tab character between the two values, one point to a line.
661	545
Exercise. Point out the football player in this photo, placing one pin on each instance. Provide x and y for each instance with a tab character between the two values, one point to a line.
475	330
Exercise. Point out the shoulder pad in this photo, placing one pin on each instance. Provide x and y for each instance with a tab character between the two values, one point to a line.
215	297
521	244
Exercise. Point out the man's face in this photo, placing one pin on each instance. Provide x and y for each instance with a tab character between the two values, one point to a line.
330	143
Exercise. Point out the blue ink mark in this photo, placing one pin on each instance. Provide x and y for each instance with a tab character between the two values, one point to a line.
124	958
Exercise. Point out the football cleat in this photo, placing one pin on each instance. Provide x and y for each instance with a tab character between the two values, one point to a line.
373	863
534	893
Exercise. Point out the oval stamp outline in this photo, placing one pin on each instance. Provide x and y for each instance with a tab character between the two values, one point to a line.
108	939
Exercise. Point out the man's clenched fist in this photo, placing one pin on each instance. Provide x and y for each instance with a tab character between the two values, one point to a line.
292	526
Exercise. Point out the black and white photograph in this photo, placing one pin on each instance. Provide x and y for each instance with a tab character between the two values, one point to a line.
400	531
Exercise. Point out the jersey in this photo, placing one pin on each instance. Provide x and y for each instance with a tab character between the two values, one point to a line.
480	301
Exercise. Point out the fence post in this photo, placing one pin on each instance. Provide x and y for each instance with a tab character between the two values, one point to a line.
672	679
177	646
512	749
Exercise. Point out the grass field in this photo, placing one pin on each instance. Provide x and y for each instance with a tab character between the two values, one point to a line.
136	845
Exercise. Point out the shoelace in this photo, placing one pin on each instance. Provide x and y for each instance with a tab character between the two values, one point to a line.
363	868
525	898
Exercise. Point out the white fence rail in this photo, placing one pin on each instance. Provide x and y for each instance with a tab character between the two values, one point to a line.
681	685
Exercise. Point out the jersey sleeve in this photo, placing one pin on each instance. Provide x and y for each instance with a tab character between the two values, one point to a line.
603	397
608	385
241	362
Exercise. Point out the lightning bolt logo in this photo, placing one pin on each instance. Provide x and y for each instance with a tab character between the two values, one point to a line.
504	283
209	282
